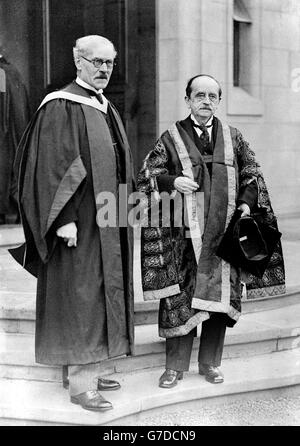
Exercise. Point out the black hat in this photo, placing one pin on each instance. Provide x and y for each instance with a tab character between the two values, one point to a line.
249	243
248	239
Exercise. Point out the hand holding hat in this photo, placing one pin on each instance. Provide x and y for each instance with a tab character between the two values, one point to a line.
248	242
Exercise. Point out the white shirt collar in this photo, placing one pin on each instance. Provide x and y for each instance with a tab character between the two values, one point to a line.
209	122
83	84
87	86
209	129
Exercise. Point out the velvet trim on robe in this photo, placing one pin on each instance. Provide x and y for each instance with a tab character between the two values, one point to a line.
169	258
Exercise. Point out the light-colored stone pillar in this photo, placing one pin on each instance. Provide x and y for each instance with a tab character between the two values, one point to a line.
179	56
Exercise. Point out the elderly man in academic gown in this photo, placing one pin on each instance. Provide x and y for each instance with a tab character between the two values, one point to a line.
211	173
75	149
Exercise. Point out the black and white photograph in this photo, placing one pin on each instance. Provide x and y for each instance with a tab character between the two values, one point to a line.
150	215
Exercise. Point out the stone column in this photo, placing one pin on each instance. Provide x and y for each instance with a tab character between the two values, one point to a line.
179	56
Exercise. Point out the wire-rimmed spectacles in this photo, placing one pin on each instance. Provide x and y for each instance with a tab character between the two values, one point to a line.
99	62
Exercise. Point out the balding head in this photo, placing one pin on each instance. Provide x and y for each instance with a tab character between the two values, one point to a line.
189	86
86	45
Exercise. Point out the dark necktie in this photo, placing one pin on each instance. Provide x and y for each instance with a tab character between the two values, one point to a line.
96	95
204	137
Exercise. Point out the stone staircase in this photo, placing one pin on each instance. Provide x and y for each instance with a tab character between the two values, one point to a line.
261	352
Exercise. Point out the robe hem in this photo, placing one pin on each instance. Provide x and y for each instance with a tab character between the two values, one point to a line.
182	330
164	292
208	305
266	291
70	358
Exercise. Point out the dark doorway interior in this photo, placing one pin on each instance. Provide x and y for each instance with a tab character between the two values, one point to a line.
130	24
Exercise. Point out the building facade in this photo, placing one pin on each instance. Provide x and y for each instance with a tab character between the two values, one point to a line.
251	46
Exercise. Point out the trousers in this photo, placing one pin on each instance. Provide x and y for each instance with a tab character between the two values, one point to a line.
179	349
81	378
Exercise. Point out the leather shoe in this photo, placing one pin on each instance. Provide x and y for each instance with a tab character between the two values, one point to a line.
91	400
169	378
103	384
107	384
212	374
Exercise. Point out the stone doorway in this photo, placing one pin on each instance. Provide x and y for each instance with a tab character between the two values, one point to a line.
130	24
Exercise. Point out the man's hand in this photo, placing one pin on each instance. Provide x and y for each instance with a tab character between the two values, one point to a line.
185	185
245	209
68	233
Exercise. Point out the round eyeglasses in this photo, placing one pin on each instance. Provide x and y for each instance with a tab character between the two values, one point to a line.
99	62
202	96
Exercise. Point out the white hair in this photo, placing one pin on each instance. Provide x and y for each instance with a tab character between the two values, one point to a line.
83	45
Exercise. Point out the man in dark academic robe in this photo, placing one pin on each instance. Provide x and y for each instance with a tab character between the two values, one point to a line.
14	116
74	153
211	172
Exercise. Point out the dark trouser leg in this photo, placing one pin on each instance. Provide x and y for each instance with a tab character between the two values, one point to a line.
212	340
65	376
178	352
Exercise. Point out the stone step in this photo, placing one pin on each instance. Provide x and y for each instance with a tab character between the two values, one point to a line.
17	309
40	403
255	333
11	235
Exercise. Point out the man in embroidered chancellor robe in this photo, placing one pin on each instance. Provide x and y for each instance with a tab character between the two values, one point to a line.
211	172
75	149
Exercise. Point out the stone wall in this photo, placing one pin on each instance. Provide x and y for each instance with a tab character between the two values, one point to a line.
195	36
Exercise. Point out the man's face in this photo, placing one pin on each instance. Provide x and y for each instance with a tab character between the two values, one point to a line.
96	77
204	98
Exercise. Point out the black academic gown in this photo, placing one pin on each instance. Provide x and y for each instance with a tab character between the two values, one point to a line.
84	306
